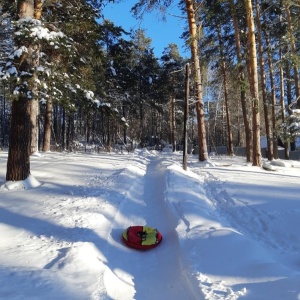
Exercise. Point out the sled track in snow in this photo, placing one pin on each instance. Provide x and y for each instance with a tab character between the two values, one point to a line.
166	271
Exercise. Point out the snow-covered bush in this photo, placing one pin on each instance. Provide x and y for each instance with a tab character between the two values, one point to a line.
290	130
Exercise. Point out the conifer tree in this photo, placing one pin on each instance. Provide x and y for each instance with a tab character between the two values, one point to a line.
191	7
29	64
254	84
172	79
25	62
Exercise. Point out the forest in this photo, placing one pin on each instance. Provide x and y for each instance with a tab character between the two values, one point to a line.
71	79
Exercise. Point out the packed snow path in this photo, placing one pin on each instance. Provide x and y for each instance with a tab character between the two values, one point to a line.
163	269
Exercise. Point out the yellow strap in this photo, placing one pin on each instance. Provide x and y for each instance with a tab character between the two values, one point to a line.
151	236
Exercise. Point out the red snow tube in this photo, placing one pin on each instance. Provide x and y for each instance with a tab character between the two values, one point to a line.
141	237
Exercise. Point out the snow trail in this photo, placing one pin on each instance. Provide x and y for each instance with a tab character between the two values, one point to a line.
165	270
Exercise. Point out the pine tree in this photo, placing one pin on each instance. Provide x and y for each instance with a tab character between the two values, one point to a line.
254	85
26	60
172	79
190	9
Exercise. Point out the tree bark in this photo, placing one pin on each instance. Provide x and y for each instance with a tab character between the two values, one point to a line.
254	82
18	163
63	130
282	103
47	125
263	85
25	8
186	114
228	122
248	130
289	97
273	91
203	155
34	102
294	52
172	122
34	105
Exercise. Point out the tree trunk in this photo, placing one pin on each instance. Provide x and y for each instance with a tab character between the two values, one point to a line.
124	126
34	102
282	104
273	91
56	117
18	163
229	132
248	130
63	130
108	135
263	85
289	96
294	52
254	83
4	116
25	8
173	122
186	115
35	128
223	67
38	4
68	132
47	125
203	155
142	127
273	101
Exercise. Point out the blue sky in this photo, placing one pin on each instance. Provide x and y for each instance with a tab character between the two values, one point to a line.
162	33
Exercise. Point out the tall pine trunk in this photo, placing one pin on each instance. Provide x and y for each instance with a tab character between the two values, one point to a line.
47	125
248	130
18	163
289	96
272	87
203	155
34	112
254	85
34	102
294	52
228	122
264	85
173	122
282	103
273	101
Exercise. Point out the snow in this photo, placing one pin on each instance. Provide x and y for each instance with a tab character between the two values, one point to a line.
230	230
20	51
89	94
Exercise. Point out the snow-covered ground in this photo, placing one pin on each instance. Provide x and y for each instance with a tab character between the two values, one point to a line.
230	230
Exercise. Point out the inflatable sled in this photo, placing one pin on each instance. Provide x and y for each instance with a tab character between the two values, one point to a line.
141	237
